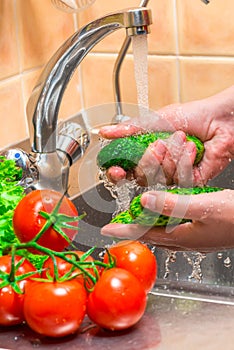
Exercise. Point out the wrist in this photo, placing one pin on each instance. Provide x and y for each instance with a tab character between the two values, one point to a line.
222	104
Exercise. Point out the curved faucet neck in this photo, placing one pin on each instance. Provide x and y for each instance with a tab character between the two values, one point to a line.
44	103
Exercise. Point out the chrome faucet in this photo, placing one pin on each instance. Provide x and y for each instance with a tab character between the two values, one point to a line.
53	151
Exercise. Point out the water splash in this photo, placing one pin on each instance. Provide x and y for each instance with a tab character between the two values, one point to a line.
195	259
170	258
227	262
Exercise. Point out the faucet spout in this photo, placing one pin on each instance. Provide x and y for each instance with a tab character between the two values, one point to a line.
44	102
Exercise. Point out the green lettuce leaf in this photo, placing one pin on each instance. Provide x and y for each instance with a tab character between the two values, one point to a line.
10	195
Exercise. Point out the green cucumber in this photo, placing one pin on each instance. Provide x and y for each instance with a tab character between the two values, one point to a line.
127	151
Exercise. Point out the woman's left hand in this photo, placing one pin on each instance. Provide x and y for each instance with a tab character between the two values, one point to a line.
211	227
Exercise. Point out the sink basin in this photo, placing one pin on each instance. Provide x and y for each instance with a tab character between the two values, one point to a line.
191	290
209	277
169	323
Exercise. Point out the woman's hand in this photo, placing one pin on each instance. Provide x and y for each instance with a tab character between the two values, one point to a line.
171	161
211	229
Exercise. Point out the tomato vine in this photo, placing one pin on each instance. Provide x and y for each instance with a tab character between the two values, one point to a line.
86	286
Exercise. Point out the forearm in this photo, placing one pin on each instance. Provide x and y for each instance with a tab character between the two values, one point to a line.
222	118
223	102
204	118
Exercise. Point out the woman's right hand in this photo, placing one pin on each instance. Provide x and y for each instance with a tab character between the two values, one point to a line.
171	161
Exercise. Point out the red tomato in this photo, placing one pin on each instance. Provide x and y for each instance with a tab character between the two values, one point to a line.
64	267
55	309
11	303
27	221
118	300
137	258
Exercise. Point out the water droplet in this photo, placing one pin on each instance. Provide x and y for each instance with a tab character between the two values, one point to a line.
227	262
170	258
219	255
152	248
195	260
35	342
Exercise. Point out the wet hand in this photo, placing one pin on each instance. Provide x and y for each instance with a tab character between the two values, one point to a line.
210	119
169	161
211	227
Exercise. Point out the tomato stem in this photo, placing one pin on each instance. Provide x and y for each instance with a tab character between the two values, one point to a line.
51	253
11	278
12	272
111	259
58	221
79	263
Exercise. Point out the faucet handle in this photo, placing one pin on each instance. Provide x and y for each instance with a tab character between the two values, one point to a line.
26	162
72	140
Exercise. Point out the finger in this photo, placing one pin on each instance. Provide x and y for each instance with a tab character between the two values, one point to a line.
119	130
148	171
194	207
183	237
116	174
131	231
187	236
175	148
184	171
173	240
178	239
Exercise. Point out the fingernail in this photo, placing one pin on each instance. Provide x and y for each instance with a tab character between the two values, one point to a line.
180	137
160	147
148	200
191	147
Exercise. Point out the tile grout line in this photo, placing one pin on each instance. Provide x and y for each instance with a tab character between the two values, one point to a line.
20	75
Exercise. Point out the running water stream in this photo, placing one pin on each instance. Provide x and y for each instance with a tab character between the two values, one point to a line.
124	191
140	54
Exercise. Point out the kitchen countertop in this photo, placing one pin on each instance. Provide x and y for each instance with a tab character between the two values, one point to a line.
170	322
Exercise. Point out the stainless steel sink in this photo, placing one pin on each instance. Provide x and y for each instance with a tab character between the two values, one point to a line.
210	276
169	323
192	302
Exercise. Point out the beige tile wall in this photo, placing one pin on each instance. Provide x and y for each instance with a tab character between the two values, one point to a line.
191	55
